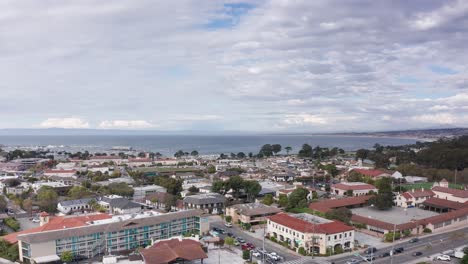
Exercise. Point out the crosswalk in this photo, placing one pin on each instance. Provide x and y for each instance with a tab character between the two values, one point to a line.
306	260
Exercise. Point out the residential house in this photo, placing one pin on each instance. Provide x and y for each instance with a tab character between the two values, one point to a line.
413	198
212	203
119	205
356	188
70	206
251	213
141	192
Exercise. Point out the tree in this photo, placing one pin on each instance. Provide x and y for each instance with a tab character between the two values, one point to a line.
276	148
252	189
141	155
268	199
27	205
250	154
47	199
229	241
219	187
179	154
288	149
283	200
341	214
121	189
67	256
266	150
173	186
331	169
390	236
302	251
464	260
236	183
77	192
298	198
245	254
193	189
228	219
240	155
194	153
306	151
362	154
211	169
3	203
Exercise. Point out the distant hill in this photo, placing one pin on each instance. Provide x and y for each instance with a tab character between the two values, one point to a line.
432	133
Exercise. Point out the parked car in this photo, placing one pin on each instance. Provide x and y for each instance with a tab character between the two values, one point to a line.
369	257
250	245
236	243
274	256
414	240
370	250
384	255
256	254
399	250
241	240
35	220
417	254
228	224
221	231
353	261
229	234
443	258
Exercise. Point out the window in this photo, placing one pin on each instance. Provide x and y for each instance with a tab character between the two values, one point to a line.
335	237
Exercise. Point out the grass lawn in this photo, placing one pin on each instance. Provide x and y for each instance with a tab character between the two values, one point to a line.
163	169
428	185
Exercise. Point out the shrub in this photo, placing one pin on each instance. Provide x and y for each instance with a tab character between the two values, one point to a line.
273	239
427	230
12	223
407	233
245	254
389	236
302	251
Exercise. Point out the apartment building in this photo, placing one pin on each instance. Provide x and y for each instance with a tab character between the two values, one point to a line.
313	233
114	235
251	213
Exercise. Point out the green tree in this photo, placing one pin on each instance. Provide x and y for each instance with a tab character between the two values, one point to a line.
245	254
8	251
194	153
390	236
229	241
252	189
268	199
179	154
331	169
173	186
283	200
342	214
67	256
193	189
464	260
306	151
288	149
298	198
276	148
121	189
211	169
384	199
219	187
266	151
302	251
236	183
228	219
77	192
240	155
362	154
47	199
3	203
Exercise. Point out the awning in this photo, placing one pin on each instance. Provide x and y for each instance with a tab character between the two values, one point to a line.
46	259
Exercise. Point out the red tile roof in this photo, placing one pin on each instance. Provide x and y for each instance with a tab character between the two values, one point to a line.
327	205
445	217
370	173
354	187
418	194
59	222
381	224
454	192
60	171
442	203
139	160
307	227
170	250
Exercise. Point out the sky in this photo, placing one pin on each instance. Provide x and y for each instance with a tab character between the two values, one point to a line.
269	66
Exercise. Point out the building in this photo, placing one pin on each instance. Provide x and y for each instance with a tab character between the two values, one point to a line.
174	251
351	202
251	213
119	205
139	193
371	173
354	188
160	200
283	177
79	205
90	236
454	195
414	198
415	179
61	173
212	203
313	233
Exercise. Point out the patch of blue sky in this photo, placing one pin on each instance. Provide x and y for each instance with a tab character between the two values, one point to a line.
423	93
231	14
442	70
176	71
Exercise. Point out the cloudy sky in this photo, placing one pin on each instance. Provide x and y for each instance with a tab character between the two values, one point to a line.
286	66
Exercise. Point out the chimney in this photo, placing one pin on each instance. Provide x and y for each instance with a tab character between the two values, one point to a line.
43	218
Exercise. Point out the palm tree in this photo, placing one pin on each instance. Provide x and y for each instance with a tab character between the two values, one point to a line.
288	149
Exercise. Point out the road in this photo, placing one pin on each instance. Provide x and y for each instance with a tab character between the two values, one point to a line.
431	245
269	246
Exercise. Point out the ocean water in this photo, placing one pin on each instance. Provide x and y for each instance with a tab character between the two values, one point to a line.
168	145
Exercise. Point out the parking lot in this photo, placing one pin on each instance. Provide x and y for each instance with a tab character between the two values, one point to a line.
396	215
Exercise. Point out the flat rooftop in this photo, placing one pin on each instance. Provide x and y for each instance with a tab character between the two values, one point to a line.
396	215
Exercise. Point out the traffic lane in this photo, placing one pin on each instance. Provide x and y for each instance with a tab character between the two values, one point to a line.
258	243
443	237
428	249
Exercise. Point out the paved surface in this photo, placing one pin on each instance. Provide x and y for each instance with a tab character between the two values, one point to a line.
429	246
269	246
216	256
26	224
365	239
396	215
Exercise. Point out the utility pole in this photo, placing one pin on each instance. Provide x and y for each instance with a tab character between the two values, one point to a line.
393	244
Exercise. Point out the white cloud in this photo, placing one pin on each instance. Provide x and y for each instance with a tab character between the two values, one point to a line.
68	122
304	119
125	124
441	118
190	117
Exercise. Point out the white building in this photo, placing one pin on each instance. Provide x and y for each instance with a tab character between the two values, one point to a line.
357	188
141	192
311	232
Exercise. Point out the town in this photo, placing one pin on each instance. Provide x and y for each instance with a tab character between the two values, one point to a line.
320	205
